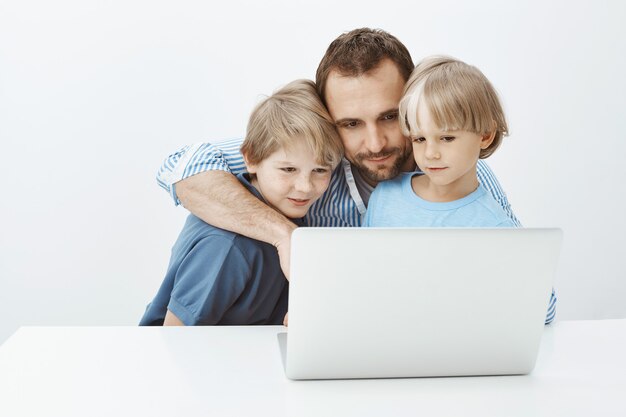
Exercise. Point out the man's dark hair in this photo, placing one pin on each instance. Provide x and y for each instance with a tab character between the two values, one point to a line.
359	51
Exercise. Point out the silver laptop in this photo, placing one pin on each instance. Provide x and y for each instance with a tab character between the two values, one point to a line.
378	303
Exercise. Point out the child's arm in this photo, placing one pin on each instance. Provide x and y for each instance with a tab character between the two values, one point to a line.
172	320
209	280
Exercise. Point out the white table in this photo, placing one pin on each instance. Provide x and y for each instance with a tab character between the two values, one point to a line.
224	371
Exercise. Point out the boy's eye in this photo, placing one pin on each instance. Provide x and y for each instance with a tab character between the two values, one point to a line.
288	169
320	170
418	139
448	138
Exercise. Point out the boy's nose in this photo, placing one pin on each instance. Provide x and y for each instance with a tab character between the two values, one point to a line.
303	183
432	151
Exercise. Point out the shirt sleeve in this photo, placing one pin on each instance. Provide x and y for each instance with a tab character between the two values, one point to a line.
491	184
209	281
551	308
200	157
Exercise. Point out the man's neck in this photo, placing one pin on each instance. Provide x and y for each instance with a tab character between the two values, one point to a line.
364	188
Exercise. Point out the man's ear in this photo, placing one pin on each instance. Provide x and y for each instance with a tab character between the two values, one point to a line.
250	167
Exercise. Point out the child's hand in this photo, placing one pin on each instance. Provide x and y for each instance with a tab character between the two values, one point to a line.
286	319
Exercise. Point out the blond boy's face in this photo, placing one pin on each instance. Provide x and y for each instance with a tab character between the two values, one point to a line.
448	158
290	179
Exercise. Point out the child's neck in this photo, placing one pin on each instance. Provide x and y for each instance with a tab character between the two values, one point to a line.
427	190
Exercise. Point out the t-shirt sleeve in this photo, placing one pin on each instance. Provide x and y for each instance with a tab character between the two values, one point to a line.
208	281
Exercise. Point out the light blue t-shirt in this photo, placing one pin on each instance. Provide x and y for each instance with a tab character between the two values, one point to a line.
394	204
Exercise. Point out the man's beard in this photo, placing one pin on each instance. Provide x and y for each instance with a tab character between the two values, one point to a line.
386	173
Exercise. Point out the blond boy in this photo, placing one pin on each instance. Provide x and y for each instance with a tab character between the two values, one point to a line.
220	277
453	116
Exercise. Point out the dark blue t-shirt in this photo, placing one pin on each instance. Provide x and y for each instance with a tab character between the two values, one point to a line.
219	277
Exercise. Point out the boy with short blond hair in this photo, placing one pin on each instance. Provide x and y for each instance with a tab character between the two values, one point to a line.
453	116
220	277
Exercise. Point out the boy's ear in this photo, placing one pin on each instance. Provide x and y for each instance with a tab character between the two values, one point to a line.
487	139
250	167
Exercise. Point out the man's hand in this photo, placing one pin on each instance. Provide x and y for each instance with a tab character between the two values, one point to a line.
283	246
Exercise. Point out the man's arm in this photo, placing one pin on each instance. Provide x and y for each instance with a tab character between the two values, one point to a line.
218	198
551	308
490	182
488	179
200	176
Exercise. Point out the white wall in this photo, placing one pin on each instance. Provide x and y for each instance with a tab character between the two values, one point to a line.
94	94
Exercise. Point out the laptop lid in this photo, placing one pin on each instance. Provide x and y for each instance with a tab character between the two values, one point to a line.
410	302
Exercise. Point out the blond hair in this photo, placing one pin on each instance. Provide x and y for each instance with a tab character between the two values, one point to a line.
458	97
294	112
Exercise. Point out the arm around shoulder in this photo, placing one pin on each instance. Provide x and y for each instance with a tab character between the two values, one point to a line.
188	161
219	199
201	178
488	179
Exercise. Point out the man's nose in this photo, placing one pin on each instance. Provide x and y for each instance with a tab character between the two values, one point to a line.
375	140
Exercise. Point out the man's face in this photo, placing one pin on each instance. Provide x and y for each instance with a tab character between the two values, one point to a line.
365	110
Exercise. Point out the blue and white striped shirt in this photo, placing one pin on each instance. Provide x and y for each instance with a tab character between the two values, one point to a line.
340	206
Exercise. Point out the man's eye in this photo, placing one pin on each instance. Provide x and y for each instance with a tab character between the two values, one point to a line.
288	169
391	116
351	124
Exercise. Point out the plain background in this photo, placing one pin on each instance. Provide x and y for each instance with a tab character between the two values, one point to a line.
95	94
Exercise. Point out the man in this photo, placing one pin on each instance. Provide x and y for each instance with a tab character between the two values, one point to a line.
360	79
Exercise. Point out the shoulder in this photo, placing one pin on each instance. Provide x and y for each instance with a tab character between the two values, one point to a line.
483	169
218	252
229	145
196	229
488	179
203	240
391	202
494	210
395	185
393	189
